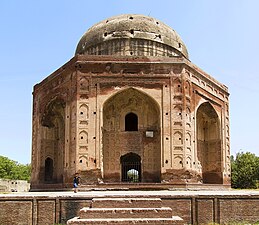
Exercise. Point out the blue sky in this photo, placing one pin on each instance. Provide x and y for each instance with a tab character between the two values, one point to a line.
37	37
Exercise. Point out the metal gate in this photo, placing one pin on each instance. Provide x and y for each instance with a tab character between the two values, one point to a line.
131	171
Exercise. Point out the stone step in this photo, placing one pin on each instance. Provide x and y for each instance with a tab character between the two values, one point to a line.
126	203
175	220
163	212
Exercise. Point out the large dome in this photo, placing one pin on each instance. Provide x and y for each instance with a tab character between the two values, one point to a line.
135	35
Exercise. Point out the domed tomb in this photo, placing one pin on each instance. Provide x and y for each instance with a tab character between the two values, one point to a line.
130	107
136	35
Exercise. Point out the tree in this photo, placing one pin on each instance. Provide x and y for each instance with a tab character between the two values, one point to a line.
245	170
10	169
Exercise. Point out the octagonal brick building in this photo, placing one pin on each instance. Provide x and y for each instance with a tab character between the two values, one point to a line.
130	107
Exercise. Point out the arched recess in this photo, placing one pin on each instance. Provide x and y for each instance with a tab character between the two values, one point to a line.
178	112
48	175
187	88
178	162
189	162
83	137
188	115
130	167
177	85
127	116
188	140
83	162
83	112
209	150
178	138
53	142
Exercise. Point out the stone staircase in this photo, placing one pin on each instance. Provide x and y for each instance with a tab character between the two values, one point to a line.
124	211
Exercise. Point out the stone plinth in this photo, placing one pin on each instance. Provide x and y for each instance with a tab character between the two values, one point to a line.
163	212
151	221
126	211
126	203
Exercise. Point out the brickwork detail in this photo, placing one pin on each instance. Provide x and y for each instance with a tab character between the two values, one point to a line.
193	207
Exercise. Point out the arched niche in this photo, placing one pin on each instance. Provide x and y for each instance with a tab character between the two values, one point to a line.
83	137
127	116
178	162
188	115
178	112
83	163
178	138
188	139
48	174
83	112
187	88
53	140
189	162
177	86
84	84
209	150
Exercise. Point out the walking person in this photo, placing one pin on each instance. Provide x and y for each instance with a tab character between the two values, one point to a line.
76	182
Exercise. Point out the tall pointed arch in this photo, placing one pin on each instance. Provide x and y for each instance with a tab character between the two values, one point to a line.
53	142
127	116
209	150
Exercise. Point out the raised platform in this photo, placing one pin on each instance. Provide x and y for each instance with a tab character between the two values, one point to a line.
126	211
194	207
133	186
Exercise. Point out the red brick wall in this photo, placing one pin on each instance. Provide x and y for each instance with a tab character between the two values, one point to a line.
180	207
16	211
236	209
45	212
204	210
193	209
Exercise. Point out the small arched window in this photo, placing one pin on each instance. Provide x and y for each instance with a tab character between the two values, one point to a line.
131	122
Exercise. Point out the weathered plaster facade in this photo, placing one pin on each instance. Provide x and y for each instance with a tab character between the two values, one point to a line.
130	94
7	185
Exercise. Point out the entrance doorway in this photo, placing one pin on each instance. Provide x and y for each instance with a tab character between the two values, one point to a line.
130	168
48	170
